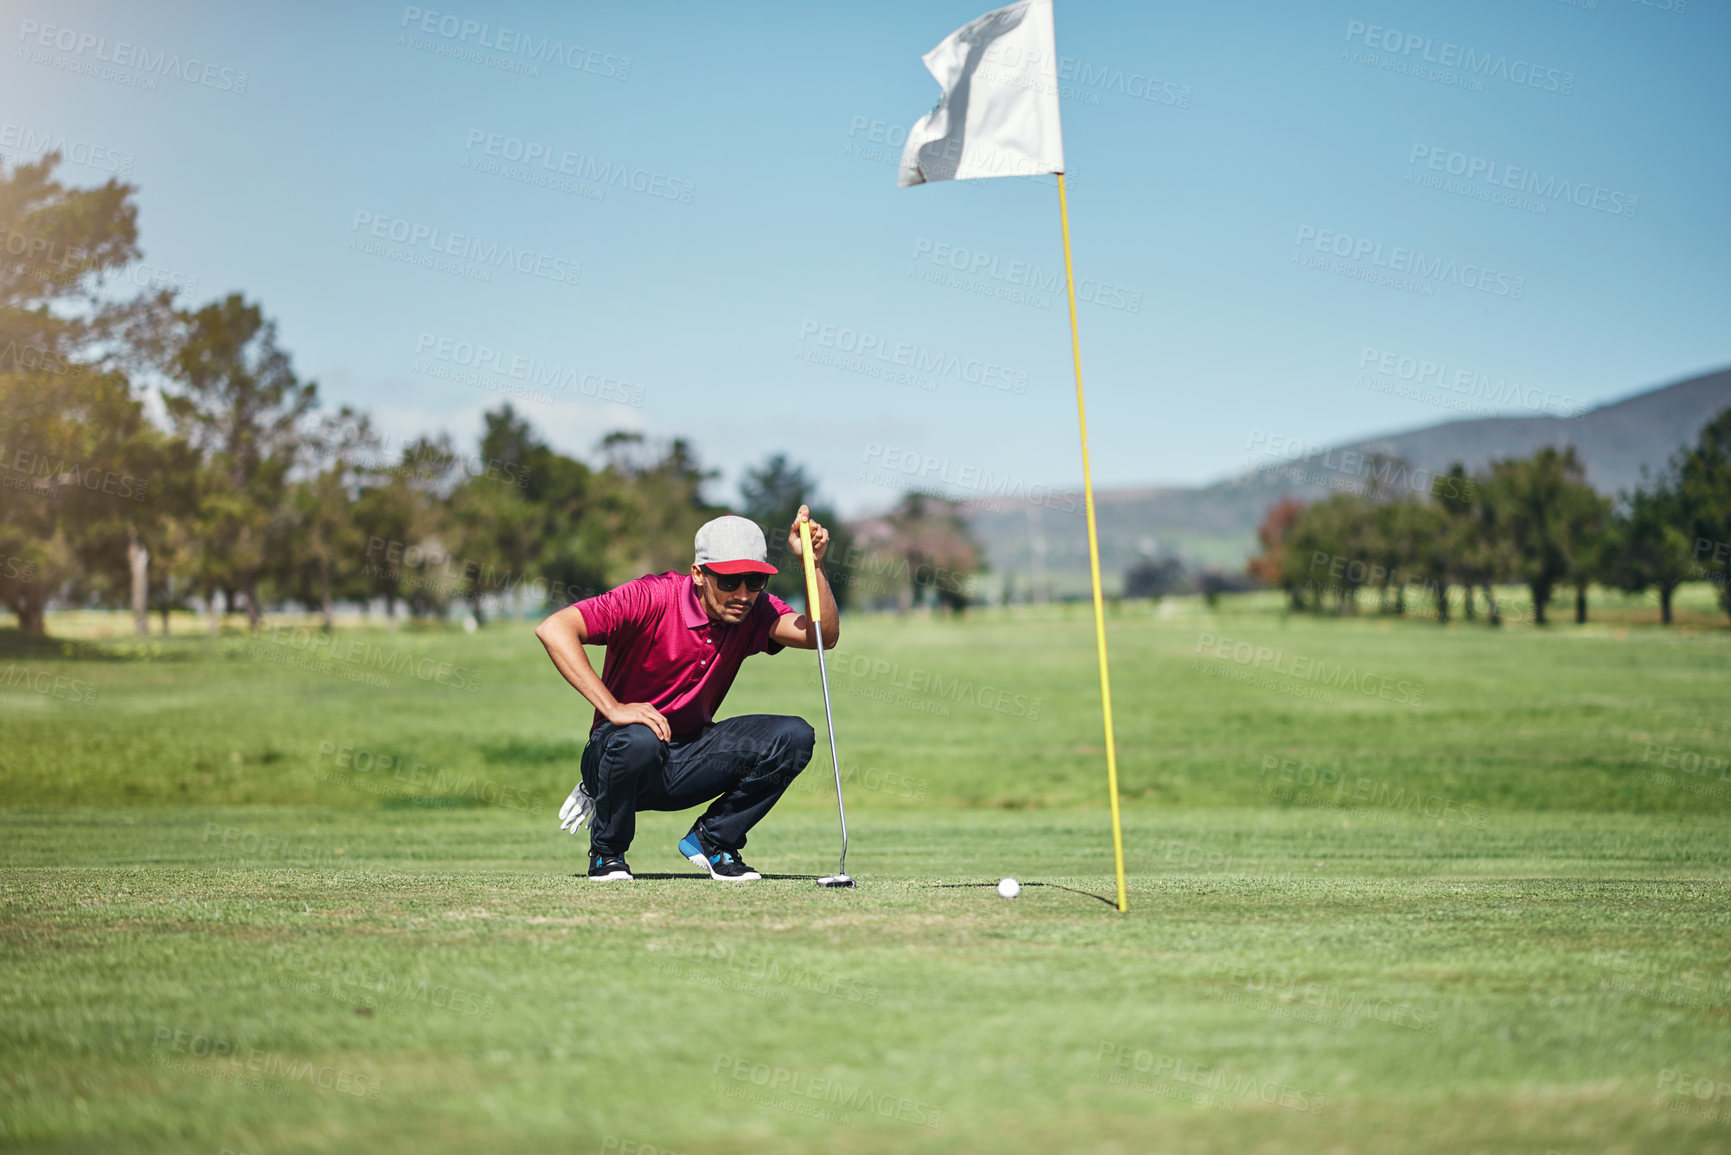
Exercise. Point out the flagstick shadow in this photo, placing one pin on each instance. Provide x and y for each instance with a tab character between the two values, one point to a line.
1054	885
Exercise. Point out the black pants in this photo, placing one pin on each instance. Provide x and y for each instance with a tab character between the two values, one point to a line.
744	764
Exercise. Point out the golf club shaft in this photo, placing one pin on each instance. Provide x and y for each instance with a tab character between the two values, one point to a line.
814	611
834	758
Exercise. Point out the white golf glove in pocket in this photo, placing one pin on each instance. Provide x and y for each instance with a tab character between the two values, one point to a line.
576	810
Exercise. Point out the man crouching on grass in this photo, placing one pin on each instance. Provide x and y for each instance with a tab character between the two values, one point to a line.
674	643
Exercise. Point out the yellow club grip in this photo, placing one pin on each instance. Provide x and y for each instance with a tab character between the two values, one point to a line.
811	601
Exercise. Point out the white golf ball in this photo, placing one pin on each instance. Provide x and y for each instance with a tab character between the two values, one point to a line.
1009	887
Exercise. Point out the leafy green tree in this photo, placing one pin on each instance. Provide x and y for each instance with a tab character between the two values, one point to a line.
384	513
1648	544
495	515
1330	549
1478	553
174	555
1271	566
323	555
1425	528
571	550
401	514
1398	528
1155	577
240	403
648	504
510	451
65	441
77	480
1309	539
120	545
923	551
1704	475
1585	525
1543	510
538	520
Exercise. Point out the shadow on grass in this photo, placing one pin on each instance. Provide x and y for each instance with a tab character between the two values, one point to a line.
1053	885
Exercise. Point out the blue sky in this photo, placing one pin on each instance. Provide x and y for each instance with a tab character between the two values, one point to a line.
1286	216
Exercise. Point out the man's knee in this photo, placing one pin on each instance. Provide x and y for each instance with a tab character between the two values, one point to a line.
634	747
796	736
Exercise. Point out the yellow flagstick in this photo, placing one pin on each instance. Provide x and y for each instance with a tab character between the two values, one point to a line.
1094	558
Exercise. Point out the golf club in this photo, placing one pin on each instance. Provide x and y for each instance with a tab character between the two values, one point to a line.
814	612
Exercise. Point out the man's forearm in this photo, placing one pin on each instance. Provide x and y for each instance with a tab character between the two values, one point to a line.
827	607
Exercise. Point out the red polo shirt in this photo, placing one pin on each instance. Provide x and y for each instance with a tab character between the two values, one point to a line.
663	649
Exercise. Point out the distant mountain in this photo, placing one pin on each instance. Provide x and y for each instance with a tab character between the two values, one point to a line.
1614	440
1047	543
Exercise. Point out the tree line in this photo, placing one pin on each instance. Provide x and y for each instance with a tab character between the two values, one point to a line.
1532	521
244	491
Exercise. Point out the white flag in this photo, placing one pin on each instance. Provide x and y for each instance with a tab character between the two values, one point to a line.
998	115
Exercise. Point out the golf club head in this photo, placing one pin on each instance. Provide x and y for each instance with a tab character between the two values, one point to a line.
834	880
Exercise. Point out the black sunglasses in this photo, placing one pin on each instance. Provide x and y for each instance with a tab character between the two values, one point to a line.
728	582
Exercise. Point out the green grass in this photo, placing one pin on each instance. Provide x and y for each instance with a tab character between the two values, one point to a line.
998	712
1496	920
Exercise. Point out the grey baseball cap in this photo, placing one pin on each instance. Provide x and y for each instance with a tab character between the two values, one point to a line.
733	545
